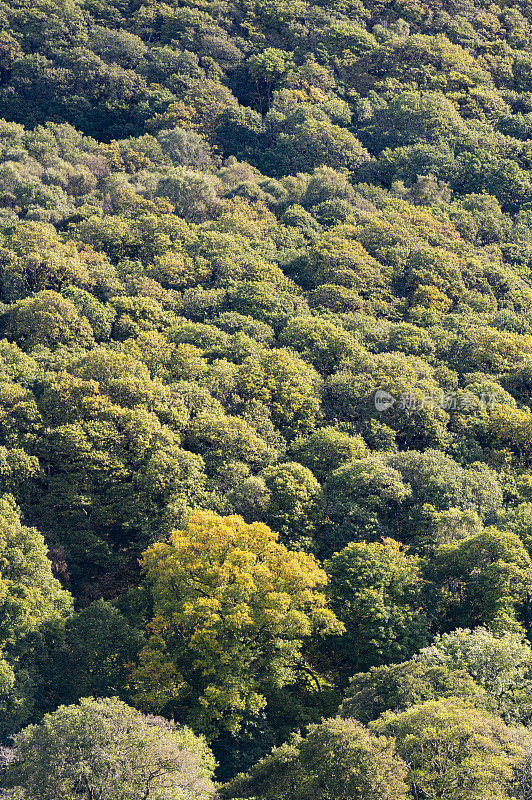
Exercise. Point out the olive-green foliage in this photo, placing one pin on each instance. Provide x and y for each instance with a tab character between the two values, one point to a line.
453	749
30	597
295	506
375	590
500	664
224	229
338	758
104	747
398	687
483	579
326	449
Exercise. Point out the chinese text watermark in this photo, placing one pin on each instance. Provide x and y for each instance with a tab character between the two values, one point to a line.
449	401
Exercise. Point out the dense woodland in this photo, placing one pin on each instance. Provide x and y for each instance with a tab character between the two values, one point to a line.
225	569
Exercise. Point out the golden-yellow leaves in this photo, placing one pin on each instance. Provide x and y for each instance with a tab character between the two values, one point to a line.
233	608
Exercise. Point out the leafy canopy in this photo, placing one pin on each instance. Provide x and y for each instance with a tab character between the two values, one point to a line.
233	611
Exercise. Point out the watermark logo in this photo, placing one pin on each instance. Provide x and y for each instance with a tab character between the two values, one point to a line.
449	401
383	400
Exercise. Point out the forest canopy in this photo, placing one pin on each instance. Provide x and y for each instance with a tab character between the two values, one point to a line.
265	399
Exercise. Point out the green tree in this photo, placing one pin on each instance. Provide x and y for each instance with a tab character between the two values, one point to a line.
338	758
104	748
326	449
398	687
295	506
34	258
101	647
431	117
30	597
194	194
453	750
289	387
268	66
319	341
46	320
29	593
501	664
364	498
375	589
483	579
312	143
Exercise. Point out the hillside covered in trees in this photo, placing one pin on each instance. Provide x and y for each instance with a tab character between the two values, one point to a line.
265	399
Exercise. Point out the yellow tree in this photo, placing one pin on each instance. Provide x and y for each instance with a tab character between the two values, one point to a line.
233	609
